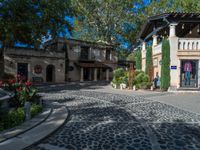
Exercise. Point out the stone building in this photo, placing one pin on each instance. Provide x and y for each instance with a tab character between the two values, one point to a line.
87	61
183	32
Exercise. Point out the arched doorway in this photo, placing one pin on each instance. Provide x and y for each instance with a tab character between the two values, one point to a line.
50	73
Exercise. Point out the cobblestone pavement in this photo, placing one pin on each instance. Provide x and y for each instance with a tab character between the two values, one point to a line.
117	122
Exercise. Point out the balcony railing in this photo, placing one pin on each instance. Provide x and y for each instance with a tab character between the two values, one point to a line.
189	44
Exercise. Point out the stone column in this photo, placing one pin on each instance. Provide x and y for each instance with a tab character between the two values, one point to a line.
172	30
107	74
143	56
199	74
143	46
174	73
82	74
155	40
95	74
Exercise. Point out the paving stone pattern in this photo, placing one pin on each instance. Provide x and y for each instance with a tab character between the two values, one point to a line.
104	121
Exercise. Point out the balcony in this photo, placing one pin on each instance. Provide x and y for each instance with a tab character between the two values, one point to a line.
157	49
189	44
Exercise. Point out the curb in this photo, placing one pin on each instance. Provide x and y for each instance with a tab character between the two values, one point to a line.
55	120
8	134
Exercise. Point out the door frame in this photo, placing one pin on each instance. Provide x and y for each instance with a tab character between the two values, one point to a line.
197	72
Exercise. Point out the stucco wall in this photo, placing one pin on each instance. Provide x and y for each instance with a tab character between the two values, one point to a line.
33	58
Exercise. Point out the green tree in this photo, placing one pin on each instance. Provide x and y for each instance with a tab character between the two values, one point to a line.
105	20
138	60
165	68
29	21
131	57
148	59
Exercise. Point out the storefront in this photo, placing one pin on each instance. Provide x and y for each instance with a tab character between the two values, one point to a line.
189	73
183	33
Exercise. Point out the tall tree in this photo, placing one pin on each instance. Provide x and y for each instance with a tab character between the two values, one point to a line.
28	21
165	68
105	20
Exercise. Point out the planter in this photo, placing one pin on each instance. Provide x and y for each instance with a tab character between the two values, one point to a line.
122	86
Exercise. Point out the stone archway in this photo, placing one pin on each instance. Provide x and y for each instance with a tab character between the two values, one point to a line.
50	73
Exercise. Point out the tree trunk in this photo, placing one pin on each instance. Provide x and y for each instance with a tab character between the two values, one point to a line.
1	62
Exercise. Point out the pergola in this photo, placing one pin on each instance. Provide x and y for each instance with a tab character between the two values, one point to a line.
160	25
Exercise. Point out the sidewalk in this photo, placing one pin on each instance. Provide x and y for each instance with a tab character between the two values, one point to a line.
35	130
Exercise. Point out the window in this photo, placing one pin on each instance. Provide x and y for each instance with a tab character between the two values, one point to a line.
84	53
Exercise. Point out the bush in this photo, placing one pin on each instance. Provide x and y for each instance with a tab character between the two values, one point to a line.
120	76
12	118
35	109
16	117
119	73
141	81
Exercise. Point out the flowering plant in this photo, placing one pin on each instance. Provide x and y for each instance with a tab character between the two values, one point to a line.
22	91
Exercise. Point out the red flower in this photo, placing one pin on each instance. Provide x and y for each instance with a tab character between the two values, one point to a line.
19	89
28	83
1	83
11	81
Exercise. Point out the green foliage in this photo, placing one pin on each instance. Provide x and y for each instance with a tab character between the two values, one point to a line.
165	67
138	61
35	109
120	76
148	59
12	118
119	73
28	21
16	116
122	54
131	57
104	20
141	80
22	92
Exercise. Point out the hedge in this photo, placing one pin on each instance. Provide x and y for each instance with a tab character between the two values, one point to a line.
165	68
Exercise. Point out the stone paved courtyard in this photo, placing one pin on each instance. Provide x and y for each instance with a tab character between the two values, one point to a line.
100	120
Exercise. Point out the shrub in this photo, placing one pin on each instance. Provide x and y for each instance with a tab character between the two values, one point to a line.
142	81
119	73
35	109
12	118
165	68
16	116
119	76
138	57
22	91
